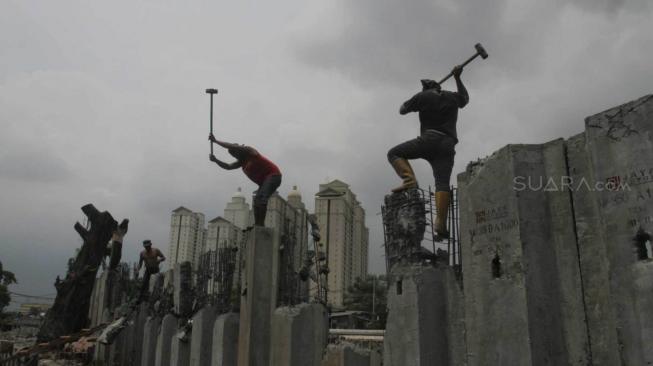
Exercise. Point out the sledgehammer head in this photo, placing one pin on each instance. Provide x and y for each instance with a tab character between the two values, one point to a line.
481	51
215	91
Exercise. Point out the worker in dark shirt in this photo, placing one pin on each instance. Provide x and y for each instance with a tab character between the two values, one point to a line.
258	169
438	112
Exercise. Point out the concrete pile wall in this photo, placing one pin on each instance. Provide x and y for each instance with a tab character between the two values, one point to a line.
615	157
299	335
346	355
425	319
550	275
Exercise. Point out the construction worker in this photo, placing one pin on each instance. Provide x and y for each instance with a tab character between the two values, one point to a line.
257	168
151	257
438	113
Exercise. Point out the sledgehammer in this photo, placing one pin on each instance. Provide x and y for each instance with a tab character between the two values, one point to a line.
480	51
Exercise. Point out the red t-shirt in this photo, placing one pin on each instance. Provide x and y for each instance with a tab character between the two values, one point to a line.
257	168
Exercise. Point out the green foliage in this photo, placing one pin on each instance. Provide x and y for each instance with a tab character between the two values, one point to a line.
6	279
369	294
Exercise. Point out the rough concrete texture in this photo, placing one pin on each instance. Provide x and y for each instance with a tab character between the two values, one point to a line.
138	334
179	351
376	358
97	301
169	279
102	352
164	340
346	355
117	349
150	335
614	160
424	325
259	298
299	335
201	342
183	288
520	262
155	287
405	222
225	340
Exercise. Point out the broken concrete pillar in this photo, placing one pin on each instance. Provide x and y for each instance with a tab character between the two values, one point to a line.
201	343
520	261
164	340
179	350
138	334
346	355
183	288
404	219
258	297
611	167
150	335
225	340
98	299
155	287
376	358
299	335
424	323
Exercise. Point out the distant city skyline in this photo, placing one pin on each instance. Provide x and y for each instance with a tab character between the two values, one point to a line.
345	235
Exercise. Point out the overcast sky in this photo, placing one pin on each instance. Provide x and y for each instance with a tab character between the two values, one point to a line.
104	103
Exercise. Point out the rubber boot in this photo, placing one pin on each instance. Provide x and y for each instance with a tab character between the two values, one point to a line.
442	199
405	172
259	214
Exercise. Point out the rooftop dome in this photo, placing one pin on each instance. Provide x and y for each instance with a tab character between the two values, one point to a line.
294	193
239	194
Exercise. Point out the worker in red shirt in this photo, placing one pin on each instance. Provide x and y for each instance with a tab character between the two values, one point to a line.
257	168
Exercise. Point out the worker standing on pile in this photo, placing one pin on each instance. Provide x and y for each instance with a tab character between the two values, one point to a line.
438	114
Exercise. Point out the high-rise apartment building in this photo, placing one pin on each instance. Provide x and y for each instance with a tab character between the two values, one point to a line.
344	235
237	211
187	236
222	234
289	218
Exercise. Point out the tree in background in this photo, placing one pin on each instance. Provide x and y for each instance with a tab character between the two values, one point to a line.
6	279
369	294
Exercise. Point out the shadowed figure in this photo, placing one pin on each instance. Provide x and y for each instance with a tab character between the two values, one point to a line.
152	257
257	168
438	113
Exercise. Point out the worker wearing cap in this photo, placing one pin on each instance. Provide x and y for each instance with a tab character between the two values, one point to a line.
151	257
438	113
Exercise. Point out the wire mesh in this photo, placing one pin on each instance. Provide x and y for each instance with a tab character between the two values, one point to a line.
430	241
215	278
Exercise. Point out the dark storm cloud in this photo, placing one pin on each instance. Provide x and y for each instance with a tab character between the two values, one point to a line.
390	42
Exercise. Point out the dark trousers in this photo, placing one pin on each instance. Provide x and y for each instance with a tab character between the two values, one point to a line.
146	281
267	189
437	149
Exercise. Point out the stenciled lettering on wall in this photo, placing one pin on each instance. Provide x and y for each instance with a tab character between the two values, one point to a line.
616	199
639	176
639	216
490	214
494	227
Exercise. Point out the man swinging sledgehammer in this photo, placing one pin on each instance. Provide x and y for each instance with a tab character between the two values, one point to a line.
438	113
258	169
